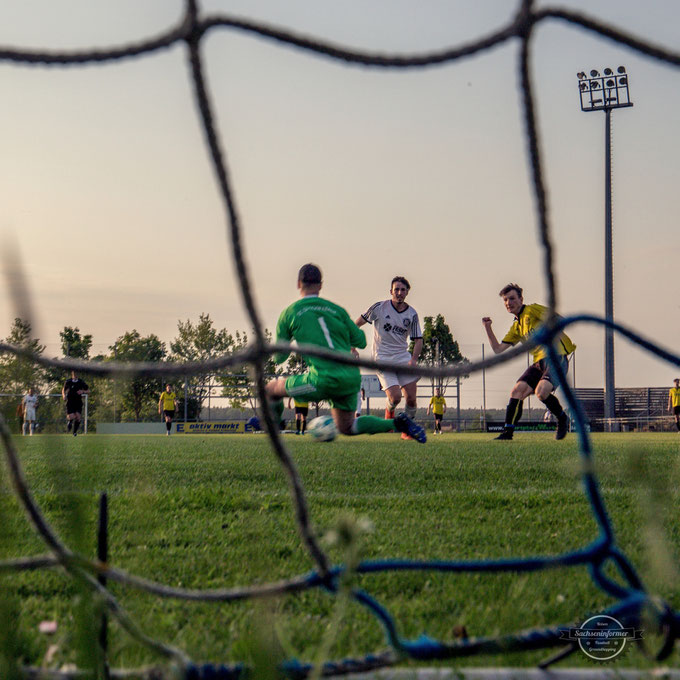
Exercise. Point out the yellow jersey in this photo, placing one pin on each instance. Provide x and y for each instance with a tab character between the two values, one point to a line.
528	320
674	394
299	403
168	400
437	404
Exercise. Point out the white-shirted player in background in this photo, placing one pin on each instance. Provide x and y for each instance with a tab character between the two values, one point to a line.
394	322
30	404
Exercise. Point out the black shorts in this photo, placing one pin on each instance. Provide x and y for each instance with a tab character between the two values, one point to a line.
302	410
676	410
438	416
541	371
74	407
169	414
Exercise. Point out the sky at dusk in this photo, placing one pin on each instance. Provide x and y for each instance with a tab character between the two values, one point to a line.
107	189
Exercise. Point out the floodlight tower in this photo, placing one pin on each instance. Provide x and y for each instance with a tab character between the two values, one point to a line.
606	93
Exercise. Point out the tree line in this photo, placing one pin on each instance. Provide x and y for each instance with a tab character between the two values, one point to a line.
135	398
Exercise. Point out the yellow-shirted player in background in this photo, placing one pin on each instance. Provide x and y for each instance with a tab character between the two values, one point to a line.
437	406
167	404
674	401
301	411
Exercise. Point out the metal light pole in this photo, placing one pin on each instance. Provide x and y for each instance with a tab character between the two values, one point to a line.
606	93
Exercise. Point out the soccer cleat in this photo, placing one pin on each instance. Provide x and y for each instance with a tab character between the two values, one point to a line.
389	414
402	423
504	436
562	426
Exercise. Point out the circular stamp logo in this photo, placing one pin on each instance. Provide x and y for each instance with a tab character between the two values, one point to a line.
602	638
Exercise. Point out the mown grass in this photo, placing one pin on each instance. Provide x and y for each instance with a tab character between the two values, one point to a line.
215	512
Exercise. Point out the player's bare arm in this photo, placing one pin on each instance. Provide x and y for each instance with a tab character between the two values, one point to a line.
417	349
360	321
496	346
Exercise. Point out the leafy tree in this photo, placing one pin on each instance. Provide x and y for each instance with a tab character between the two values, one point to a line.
439	349
17	374
200	342
295	365
139	394
75	345
238	381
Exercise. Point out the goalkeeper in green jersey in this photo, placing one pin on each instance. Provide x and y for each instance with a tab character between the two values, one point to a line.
313	320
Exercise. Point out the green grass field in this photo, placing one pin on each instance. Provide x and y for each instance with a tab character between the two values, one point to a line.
215	512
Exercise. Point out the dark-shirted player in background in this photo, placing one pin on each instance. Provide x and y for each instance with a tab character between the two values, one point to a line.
72	394
674	401
313	320
538	378
394	322
168	404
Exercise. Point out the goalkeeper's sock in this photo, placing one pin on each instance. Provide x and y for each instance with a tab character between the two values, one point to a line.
371	425
552	403
168	425
76	425
304	426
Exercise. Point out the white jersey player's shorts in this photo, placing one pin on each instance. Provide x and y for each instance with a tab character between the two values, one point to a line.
29	414
391	379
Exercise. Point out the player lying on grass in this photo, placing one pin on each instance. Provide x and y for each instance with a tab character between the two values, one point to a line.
538	378
313	320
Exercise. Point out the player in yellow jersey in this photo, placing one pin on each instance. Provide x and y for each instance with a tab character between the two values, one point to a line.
674	401
301	411
167	404
539	377
437	406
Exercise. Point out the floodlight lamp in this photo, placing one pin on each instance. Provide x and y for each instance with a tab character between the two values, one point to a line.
608	71
583	86
580	75
594	73
623	80
610	83
621	69
594	84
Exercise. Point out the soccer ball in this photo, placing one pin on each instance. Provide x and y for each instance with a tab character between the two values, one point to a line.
323	429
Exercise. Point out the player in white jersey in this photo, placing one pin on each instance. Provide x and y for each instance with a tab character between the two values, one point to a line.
394	322
30	404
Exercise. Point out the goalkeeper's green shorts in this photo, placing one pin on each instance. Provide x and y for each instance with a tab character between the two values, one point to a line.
340	392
